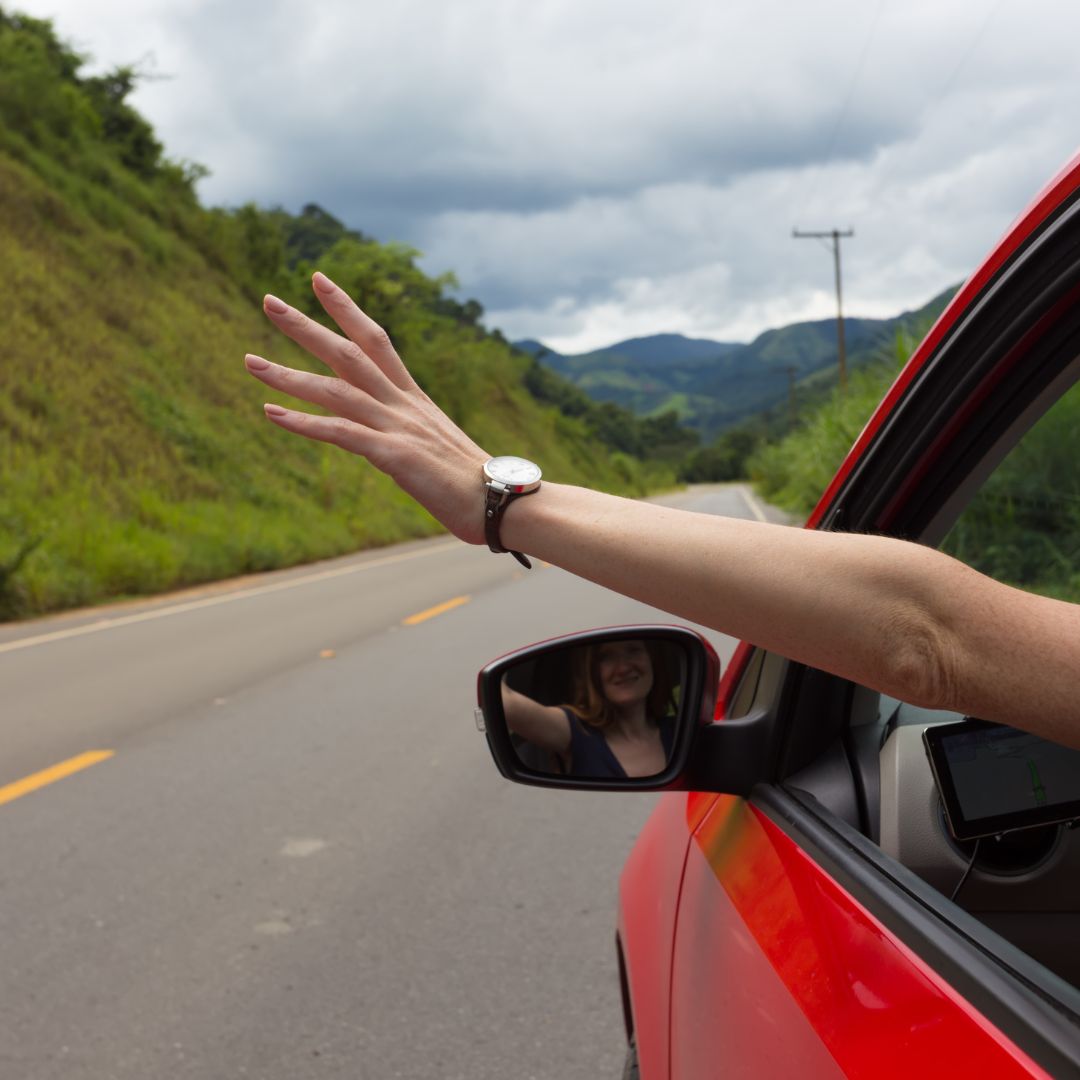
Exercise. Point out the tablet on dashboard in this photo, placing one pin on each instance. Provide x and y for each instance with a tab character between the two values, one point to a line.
994	779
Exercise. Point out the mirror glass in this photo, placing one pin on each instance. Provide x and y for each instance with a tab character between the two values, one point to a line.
605	709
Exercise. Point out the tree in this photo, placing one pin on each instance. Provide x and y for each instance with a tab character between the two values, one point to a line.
121	125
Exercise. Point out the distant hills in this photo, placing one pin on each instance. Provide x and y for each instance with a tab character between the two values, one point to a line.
714	385
654	349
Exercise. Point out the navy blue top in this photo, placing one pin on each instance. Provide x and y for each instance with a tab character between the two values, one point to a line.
590	754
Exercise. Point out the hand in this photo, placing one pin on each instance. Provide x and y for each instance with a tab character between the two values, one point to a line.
379	411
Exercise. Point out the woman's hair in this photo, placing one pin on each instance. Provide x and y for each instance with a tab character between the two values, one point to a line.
589	704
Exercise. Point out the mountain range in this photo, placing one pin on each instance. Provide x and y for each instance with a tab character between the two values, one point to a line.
715	385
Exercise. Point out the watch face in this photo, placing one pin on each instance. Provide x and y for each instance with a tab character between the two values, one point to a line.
516	473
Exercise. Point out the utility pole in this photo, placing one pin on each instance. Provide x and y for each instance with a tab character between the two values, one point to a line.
835	235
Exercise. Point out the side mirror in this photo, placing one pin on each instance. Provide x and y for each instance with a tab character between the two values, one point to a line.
619	708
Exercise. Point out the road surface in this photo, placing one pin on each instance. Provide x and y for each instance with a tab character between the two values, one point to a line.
294	857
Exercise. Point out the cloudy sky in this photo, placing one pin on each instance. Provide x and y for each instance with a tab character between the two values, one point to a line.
594	170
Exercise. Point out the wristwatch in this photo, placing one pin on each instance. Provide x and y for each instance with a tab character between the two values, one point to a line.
505	478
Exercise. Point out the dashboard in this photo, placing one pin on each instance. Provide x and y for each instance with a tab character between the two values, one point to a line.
1024	884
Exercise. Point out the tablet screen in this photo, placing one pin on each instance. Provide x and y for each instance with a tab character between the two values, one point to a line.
994	778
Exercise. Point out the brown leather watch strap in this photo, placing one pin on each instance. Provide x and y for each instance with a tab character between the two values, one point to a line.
497	499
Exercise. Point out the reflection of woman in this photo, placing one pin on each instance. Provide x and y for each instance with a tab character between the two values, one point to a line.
619	722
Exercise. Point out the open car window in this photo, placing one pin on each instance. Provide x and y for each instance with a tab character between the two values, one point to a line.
1022	527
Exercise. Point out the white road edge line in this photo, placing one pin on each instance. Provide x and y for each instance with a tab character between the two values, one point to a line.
753	504
211	601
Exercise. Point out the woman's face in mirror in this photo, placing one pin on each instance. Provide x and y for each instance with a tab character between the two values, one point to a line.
625	672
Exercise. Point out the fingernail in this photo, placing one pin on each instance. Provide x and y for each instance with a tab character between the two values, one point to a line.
322	282
272	303
274	410
256	363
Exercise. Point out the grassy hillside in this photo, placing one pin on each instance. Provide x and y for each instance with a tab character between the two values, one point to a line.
133	452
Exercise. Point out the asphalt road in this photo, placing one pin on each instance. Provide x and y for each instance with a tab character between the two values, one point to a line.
299	860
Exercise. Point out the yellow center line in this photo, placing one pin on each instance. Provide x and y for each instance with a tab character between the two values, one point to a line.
438	609
52	774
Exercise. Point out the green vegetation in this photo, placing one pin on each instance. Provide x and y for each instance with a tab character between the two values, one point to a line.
793	472
659	440
725	458
1023	527
133	454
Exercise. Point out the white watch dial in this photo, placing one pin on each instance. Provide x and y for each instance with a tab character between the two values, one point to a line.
515	472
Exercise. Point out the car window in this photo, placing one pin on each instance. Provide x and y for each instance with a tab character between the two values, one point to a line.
1023	525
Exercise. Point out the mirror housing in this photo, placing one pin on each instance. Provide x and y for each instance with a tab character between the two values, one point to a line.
543	671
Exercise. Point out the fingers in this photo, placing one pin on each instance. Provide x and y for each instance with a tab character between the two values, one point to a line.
362	329
335	395
329	429
344	357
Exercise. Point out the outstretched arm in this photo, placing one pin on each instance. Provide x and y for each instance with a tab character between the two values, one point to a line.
545	726
888	614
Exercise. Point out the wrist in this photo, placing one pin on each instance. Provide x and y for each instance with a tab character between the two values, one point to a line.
529	524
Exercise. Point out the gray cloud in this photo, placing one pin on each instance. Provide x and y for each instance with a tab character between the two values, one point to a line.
598	166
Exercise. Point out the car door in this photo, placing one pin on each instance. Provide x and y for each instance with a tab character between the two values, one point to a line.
801	946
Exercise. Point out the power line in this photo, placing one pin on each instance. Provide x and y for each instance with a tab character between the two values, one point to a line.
841	115
973	44
836	235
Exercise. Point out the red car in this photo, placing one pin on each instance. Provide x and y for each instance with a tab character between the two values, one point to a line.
786	911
